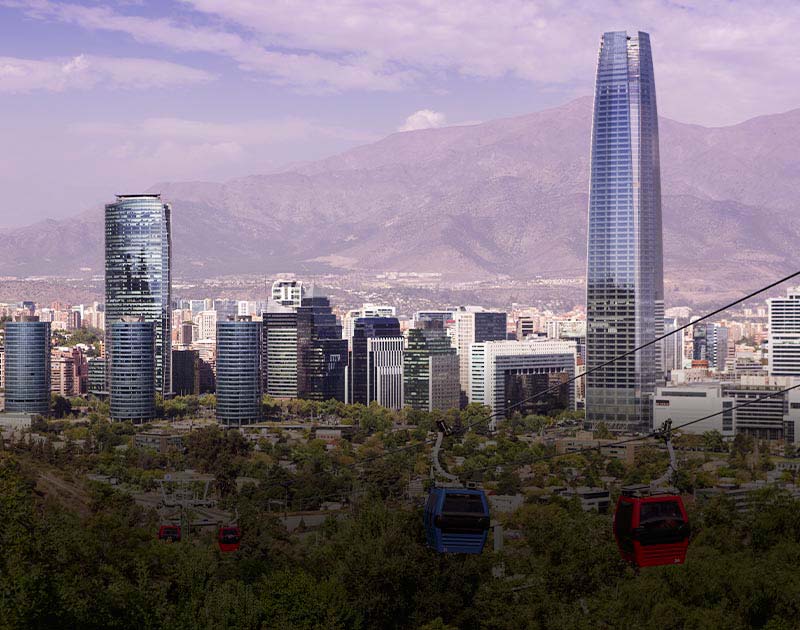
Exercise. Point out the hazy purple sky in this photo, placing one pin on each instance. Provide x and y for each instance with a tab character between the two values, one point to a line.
104	97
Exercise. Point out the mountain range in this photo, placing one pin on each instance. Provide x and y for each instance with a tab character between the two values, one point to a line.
507	196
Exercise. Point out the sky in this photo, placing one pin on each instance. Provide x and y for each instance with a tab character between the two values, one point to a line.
98	98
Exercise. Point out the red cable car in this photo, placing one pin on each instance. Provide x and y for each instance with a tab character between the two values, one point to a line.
169	533
229	539
651	529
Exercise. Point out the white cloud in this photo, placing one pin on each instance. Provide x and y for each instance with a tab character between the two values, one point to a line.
86	71
717	61
423	119
305	69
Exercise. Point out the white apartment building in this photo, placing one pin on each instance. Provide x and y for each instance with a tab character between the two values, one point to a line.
206	324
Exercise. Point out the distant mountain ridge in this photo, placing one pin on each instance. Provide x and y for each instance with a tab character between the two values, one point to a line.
507	196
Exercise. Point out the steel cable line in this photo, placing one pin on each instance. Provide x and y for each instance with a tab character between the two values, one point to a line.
499	413
641	347
639	438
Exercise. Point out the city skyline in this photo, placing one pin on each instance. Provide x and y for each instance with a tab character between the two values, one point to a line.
470	354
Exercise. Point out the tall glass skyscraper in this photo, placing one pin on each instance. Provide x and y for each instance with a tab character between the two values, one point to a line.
625	283
239	371
138	262
132	369
27	366
321	351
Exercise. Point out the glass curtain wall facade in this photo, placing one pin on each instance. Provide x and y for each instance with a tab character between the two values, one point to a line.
138	258
321	351
430	370
27	367
132	374
280	352
625	287
362	382
238	372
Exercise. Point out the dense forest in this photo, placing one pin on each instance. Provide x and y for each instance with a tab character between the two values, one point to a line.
99	565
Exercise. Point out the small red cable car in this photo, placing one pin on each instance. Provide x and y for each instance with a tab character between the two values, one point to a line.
651	529
169	533
229	539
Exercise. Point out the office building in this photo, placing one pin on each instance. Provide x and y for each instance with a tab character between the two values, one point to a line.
784	334
765	419
280	351
430	369
138	250
686	403
526	326
288	293
671	347
98	384
497	367
206	322
27	366
474	325
710	343
625	287
361	388
385	371
321	351
185	372
367	310
132	369
239	371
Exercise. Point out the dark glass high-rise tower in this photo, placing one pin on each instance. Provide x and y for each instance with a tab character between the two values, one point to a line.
321	351
362	378
138	261
625	284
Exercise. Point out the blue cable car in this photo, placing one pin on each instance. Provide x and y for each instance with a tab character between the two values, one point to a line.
456	520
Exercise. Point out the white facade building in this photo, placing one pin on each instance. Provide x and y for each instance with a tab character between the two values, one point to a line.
686	403
491	362
474	324
206	324
288	293
784	334
385	371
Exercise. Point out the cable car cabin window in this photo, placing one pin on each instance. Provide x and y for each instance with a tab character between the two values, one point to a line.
462	514
659	510
463	504
229	537
623	526
661	522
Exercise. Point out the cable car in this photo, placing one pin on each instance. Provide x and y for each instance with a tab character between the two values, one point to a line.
456	520
229	538
169	533
651	529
